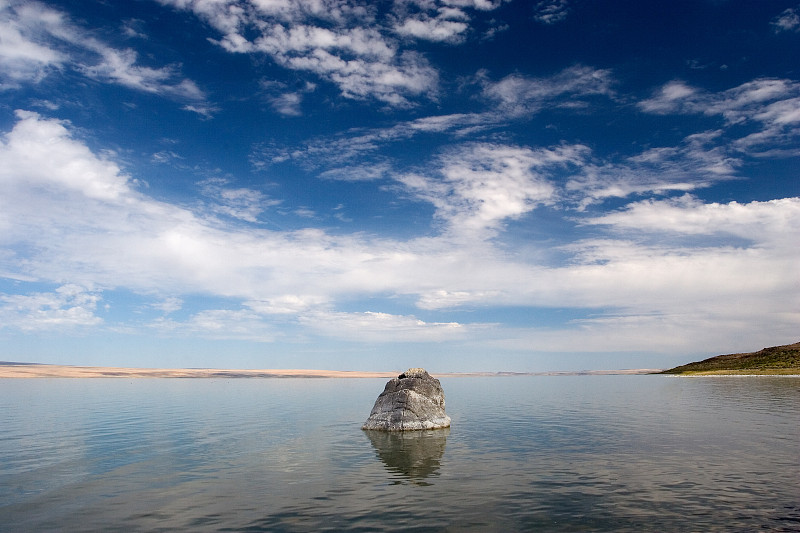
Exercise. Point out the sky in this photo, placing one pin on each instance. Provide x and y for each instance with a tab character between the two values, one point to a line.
463	185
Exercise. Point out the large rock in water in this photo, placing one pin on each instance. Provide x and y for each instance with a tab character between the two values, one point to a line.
412	401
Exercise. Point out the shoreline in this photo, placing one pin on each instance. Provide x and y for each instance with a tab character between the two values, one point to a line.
12	370
775	372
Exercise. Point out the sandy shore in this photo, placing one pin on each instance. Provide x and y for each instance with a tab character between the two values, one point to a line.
32	370
12	370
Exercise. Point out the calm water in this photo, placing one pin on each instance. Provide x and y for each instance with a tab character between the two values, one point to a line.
583	453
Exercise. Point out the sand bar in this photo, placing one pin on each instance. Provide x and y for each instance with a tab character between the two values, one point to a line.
13	370
34	370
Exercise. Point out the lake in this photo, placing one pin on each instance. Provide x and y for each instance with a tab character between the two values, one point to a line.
542	453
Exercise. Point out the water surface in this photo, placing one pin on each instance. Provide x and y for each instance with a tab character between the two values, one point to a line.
585	453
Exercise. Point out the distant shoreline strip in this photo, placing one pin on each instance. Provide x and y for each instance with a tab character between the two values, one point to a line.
36	370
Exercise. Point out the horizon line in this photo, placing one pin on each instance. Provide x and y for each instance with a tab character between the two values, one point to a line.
10	369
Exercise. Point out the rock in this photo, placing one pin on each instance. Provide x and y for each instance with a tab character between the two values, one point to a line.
412	401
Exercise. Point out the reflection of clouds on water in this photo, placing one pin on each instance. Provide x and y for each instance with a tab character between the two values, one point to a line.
414	455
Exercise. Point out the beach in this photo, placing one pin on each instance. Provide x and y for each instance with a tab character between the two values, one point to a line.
36	370
33	370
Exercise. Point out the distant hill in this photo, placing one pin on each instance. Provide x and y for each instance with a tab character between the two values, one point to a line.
774	360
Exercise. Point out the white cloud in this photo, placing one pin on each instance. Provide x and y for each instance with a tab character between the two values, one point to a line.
287	104
357	173
692	331
778	136
447	299
770	105
495	29
789	20
596	184
745	265
165	157
79	217
119	66
169	305
482	185
118	237
242	203
132	29
481	5
76	205
258	324
356	143
206	111
68	307
335	40
34	39
342	42
445	24
743	103
371	326
699	161
433	29
436	20
653	268
305	212
284	101
696	163
520	95
287	304
219	324
43	152
782	112
769	222
551	11
670	98
639	278
24	53
408	75
284	42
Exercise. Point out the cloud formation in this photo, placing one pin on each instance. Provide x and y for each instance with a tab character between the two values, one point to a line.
758	118
372	326
38	40
765	223
361	142
420	172
697	162
442	23
80	223
744	102
521	95
23	57
770	105
479	186
69	307
551	11
240	203
353	45
788	20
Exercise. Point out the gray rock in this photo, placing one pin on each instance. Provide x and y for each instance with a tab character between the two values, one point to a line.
412	401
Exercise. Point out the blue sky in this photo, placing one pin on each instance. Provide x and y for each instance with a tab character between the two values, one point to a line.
455	184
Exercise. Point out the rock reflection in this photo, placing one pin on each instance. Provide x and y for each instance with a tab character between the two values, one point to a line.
414	455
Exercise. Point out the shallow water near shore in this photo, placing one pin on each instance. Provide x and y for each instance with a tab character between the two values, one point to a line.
566	453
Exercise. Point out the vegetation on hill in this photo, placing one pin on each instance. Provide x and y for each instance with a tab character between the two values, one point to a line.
774	360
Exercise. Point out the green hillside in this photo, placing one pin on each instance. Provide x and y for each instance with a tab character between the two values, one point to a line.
774	360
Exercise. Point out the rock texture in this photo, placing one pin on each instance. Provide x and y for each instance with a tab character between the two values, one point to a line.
412	401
